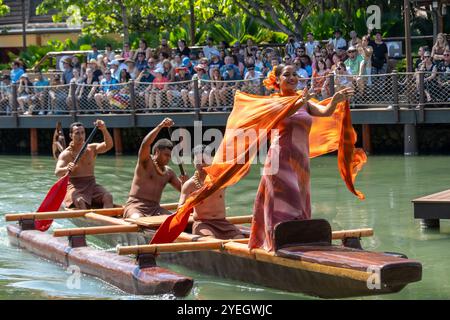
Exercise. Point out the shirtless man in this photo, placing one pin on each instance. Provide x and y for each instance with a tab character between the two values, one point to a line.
209	215
151	176
83	192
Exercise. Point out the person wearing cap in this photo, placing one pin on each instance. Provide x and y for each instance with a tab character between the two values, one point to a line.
209	49
338	41
5	94
187	63
155	91
229	61
24	94
202	76
108	86
94	54
353	63
229	89
179	88
114	67
16	72
131	67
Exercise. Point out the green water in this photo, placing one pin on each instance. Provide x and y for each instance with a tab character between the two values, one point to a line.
389	184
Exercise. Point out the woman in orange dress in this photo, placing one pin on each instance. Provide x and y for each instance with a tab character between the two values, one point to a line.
284	190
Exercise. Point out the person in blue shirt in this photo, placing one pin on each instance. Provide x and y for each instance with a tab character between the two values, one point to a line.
94	54
108	86
229	89
40	92
16	72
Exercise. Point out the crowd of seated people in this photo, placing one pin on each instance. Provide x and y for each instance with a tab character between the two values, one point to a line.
163	77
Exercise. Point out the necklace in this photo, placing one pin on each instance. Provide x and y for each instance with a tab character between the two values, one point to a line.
158	169
197	182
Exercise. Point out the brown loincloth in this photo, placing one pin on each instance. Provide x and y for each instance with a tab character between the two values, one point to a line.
217	228
143	207
87	189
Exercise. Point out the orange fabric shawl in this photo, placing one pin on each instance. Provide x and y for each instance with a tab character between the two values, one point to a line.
258	115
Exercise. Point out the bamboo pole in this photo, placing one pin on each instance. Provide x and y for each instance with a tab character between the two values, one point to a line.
176	247
355	233
74	213
95	230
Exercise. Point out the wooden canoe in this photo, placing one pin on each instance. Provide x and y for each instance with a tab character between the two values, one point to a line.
119	271
319	268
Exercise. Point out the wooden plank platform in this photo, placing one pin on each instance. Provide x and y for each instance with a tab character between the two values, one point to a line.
432	207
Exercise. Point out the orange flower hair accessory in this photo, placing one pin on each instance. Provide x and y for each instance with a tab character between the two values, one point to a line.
271	81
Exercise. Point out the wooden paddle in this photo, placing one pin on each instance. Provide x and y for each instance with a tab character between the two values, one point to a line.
57	192
180	164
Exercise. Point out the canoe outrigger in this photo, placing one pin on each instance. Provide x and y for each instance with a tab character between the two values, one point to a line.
305	260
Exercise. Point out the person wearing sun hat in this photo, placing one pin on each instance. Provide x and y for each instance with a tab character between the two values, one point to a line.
92	63
131	67
179	87
204	87
155	91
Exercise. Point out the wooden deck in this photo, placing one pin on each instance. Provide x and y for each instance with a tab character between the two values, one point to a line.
432	208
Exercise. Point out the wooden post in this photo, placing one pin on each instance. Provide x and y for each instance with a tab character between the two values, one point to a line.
366	140
409	65
34	145
131	87
197	99
118	141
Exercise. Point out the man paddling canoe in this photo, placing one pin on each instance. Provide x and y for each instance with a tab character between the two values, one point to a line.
209	215
151	176
82	191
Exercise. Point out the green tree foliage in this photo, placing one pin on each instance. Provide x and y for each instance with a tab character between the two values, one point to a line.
4	9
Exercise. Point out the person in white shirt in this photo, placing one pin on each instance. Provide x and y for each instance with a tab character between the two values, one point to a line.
338	42
310	44
209	49
302	74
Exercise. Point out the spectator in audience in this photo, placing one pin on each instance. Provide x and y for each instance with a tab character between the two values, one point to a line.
306	60
76	64
274	61
210	49
253	80
176	61
179	88
108	86
77	79
67	72
380	54
437	52
156	89
109	52
366	52
97	73
319	78
239	64
291	46
5	94
187	63
24	94
16	72
444	76
164	47
310	45
143	48
114	67
203	85
101	63
131	68
87	89
248	49
335	62
222	55
141	63
127	53
121	97
330	49
162	56
122	64
287	59
353	63
338	42
229	88
182	49
259	63
354	40
142	84
301	73
342	78
216	86
215	63
419	60
236	51
223	45
430	78
168	70
94	54
229	61
57	95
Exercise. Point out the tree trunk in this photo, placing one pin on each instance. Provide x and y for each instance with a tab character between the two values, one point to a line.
192	24
126	35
